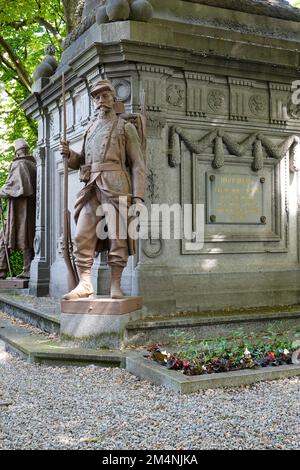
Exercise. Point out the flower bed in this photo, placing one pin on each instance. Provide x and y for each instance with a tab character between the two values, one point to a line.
225	357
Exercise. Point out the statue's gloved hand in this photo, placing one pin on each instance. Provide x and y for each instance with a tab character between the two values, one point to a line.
64	149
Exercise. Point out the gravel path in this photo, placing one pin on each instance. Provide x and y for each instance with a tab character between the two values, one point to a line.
43	407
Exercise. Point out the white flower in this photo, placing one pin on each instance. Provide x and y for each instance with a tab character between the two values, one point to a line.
247	353
286	352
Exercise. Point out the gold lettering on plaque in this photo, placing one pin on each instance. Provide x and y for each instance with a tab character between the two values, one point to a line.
236	199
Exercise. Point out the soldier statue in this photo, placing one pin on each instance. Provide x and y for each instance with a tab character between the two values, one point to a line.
20	190
111	164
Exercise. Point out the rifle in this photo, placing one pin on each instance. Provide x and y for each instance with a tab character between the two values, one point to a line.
4	238
73	277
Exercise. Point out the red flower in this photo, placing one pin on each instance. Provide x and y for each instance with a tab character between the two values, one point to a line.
271	356
185	363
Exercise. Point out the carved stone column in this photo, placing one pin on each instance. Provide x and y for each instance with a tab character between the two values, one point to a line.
40	266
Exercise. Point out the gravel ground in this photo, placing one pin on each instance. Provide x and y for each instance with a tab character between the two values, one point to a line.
43	407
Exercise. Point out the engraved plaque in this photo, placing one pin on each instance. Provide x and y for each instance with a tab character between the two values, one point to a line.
235	199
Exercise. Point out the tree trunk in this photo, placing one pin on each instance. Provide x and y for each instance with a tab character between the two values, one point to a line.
70	14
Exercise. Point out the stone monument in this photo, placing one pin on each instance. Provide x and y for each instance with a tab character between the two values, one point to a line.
222	132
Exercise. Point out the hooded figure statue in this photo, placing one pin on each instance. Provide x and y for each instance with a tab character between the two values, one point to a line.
20	191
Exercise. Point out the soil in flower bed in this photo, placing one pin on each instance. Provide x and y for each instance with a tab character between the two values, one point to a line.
193	357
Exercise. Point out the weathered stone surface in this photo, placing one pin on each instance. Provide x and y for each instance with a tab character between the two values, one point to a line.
41	313
101	15
102	306
90	6
141	10
36	349
14	283
117	10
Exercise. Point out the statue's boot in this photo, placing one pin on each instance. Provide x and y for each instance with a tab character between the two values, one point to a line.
115	284
27	258
84	290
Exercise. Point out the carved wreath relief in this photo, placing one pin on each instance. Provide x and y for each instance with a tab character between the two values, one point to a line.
216	100
175	95
257	104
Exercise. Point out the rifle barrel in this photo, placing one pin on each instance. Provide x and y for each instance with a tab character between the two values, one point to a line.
72	273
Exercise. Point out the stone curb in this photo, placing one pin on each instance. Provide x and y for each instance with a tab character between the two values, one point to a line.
149	370
213	320
36	349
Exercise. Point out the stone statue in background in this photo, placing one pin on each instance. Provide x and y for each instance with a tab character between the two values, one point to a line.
20	191
112	165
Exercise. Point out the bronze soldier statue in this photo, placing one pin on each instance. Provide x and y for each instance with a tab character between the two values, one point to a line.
20	191
111	164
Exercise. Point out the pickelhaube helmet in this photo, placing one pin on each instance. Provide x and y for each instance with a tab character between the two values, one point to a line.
102	85
20	144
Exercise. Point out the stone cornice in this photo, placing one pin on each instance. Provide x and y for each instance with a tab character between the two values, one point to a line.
212	53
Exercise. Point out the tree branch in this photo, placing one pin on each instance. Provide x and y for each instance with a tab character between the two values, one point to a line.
20	69
50	28
6	63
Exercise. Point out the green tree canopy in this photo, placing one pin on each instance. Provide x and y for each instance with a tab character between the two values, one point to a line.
26	27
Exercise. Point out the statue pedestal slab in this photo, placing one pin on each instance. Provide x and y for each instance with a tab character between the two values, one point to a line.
14	283
98	322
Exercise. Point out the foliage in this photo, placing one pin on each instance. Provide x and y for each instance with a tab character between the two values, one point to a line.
239	351
16	262
27	26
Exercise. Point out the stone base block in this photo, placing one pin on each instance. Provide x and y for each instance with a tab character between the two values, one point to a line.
102	306
14	283
98	322
88	326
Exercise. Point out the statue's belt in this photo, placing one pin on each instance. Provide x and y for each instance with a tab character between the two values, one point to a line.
108	166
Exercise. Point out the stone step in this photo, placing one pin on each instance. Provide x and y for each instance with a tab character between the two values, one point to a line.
42	312
203	325
40	349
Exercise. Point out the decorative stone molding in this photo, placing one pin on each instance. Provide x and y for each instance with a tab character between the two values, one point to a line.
155	122
152	248
219	138
152	187
258	104
175	95
37	244
40	156
293	110
216	100
279	97
153	80
123	89
240	82
292	160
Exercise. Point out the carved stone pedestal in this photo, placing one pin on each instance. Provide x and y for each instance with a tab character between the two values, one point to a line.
98	322
14	283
